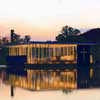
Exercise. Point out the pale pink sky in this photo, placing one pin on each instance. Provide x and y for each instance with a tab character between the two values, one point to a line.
43	19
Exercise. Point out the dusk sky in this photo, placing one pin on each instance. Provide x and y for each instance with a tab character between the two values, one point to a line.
43	19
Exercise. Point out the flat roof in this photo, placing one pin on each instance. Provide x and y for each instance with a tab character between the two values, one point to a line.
54	42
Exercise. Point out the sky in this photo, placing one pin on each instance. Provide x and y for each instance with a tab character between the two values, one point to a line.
43	19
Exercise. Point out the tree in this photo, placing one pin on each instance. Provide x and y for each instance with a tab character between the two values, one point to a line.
61	38
67	30
5	40
27	39
15	38
66	34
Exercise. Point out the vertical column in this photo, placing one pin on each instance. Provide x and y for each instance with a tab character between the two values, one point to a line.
54	51
9	48
35	53
12	51
42	53
30	54
12	90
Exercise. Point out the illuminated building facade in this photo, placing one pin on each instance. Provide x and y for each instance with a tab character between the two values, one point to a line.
40	53
49	66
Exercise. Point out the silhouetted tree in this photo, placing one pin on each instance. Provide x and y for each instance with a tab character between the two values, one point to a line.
21	40
15	38
5	40
27	39
66	34
67	30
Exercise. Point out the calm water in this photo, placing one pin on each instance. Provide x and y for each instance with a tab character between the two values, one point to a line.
42	79
22	94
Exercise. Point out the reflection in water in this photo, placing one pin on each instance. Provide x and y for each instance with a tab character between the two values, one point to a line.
44	79
22	81
22	94
66	91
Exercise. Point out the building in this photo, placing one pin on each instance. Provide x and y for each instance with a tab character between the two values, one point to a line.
50	65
